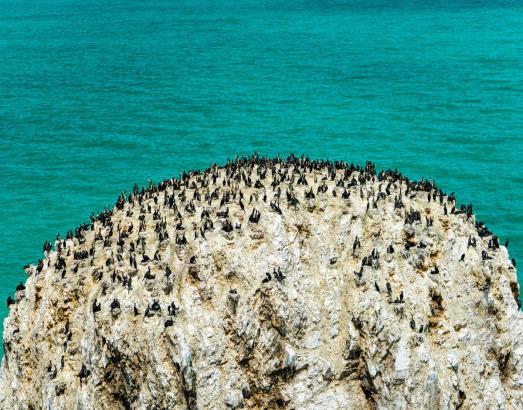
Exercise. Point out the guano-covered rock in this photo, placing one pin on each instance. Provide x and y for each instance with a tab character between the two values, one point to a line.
270	283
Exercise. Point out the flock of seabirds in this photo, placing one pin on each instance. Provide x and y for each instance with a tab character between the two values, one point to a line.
212	191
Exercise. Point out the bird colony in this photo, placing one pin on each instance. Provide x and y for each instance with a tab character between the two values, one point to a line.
270	283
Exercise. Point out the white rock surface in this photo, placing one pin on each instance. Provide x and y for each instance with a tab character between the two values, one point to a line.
322	337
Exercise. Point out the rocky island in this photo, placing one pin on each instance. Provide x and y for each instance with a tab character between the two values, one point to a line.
270	283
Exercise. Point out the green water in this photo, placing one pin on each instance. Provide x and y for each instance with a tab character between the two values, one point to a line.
97	95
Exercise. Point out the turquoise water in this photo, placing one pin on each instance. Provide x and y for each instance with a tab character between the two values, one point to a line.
97	95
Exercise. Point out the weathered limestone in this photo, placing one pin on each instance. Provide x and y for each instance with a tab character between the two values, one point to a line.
415	327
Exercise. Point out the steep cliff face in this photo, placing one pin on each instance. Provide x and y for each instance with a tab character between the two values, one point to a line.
347	290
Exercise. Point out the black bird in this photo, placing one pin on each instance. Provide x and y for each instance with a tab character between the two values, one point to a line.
506	243
136	313
155	306
51	369
309	194
255	216
376	287
115	304
462	258
435	271
10	301
84	373
20	286
147	312
227	226
513	262
267	278
180	240
484	255
278	274
172	309
275	208
322	188
412	324
293	201
389	288
356	244
149	275
96	307
223	214
168	322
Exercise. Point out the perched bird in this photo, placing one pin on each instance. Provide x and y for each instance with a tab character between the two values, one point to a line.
84	373
276	208
267	278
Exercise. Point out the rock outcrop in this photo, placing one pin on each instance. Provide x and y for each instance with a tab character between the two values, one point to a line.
270	284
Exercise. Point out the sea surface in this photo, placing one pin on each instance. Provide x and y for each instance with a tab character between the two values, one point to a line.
97	95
